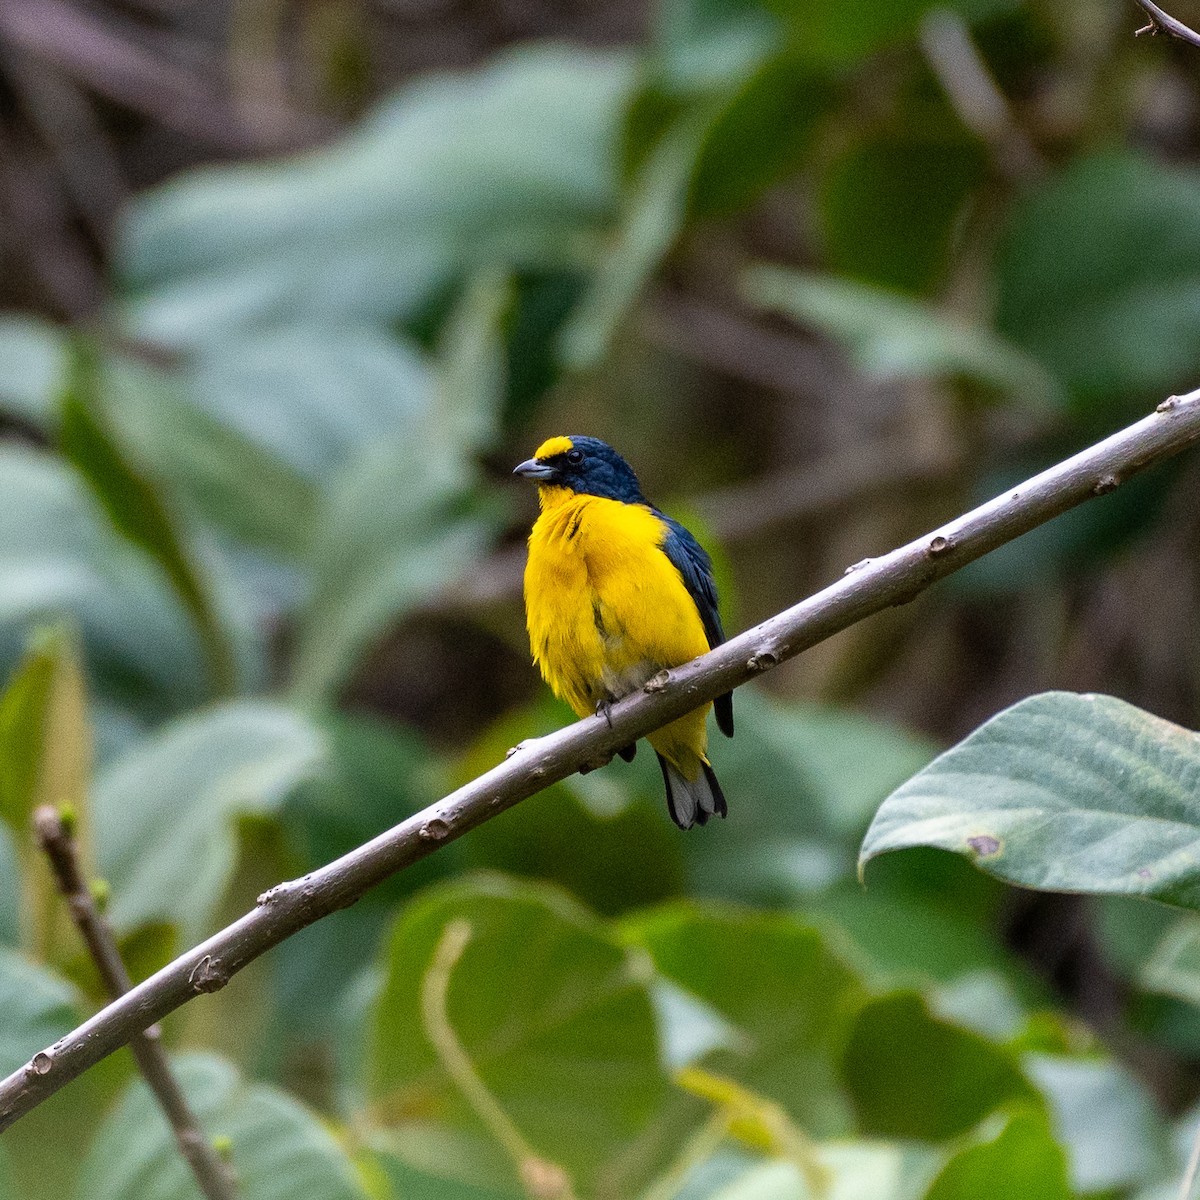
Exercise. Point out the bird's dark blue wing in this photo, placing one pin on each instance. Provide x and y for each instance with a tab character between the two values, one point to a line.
691	560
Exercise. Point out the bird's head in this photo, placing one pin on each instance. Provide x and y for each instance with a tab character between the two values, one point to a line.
573	465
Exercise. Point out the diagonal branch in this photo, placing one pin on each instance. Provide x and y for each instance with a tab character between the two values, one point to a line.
867	588
1163	22
213	1174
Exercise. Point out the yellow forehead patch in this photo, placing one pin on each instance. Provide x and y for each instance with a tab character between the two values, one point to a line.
553	446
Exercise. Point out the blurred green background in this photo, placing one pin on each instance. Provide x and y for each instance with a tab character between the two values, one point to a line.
288	286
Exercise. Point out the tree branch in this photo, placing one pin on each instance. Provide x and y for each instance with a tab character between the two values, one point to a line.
867	588
1161	22
212	1173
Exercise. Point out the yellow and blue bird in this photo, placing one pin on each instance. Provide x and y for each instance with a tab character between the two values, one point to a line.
616	591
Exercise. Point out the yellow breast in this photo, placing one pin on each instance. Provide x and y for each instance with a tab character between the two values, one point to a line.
606	609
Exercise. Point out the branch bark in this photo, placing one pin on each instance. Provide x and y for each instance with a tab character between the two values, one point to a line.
866	588
1163	22
213	1175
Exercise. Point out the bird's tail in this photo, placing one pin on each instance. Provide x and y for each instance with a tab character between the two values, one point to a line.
692	802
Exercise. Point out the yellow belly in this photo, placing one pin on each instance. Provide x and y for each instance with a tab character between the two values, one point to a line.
606	610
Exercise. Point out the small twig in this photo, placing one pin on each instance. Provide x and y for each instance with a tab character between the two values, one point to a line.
542	1179
212	1173
105	57
869	587
973	91
1193	1167
1162	22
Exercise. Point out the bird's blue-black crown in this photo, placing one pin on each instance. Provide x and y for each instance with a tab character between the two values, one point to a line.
589	466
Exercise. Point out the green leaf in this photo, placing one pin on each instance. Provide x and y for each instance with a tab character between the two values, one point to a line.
892	337
182	424
857	1171
45	759
1104	1118
34	360
950	956
1121	328
1173	967
554	1017
831	33
38	1009
44	744
58	557
472	367
633	858
514	164
805	780
761	134
10	890
1022	1162
393	529
889	207
406	1180
708	44
279	1149
313	395
135	507
773	979
654	213
1061	792
165	812
914	1076
8	1190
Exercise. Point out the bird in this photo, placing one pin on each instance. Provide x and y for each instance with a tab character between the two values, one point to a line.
615	592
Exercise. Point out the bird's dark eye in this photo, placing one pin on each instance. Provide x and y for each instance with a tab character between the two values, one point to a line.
575	457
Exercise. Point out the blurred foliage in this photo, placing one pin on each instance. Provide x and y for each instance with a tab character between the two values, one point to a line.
267	349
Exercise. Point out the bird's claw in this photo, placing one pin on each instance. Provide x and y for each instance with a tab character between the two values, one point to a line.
604	709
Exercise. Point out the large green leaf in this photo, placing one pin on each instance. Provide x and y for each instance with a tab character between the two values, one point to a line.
1172	967
633	856
654	213
1121	327
856	1171
34	361
178	420
803	780
38	1009
8	1190
58	557
833	34
551	1011
709	44
10	891
280	1151
759	135
1105	1120
791	1002
1062	792
392	530
515	163
135	506
165	812
1022	1162
311	394
44	747
889	207
914	1076
893	337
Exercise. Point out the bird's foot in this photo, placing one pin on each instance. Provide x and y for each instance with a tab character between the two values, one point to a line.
604	709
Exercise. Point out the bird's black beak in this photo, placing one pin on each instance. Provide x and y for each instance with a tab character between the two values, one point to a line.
532	469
